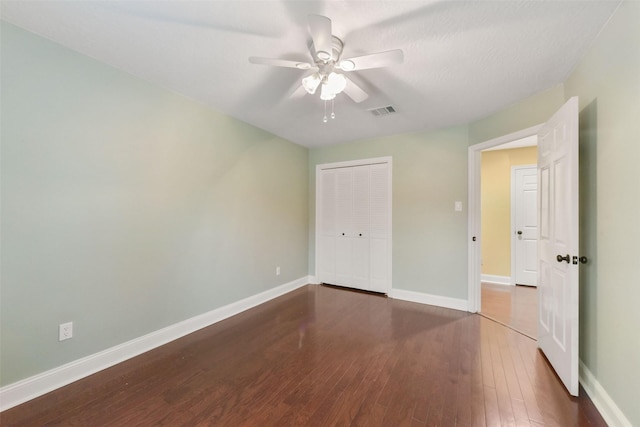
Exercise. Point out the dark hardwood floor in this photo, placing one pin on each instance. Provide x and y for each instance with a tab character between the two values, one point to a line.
321	356
515	306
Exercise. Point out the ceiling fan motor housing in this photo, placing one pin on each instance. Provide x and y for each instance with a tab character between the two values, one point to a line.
336	51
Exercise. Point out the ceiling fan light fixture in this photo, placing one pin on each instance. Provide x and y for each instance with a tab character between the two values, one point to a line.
311	83
332	85
336	82
303	66
347	65
326	94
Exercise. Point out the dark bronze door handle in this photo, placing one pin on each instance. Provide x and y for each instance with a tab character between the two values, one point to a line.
561	258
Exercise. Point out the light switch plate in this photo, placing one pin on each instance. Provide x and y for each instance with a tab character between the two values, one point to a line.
458	206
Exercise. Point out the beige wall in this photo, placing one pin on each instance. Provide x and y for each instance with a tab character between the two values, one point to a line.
496	206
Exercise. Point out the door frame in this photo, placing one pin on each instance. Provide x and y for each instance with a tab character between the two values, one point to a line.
388	160
513	217
474	216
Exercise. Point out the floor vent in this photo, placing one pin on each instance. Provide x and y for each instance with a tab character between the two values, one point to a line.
383	111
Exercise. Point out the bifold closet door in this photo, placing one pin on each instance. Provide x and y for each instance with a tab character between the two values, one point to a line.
354	227
360	227
326	268
344	214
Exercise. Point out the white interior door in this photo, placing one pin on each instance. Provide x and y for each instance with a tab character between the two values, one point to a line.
558	243
525	225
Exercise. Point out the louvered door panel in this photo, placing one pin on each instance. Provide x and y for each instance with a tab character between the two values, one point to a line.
360	227
327	228
344	221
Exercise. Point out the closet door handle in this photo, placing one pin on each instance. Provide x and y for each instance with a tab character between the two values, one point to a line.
343	234
360	234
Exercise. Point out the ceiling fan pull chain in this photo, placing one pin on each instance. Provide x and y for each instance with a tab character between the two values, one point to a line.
324	119
333	115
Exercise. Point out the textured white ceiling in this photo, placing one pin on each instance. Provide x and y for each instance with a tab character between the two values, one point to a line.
463	59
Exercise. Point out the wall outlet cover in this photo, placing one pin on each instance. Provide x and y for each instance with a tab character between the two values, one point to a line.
65	331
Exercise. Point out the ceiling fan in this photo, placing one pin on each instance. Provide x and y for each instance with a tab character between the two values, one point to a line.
326	51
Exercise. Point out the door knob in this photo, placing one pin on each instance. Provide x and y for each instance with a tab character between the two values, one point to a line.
583	259
519	232
561	258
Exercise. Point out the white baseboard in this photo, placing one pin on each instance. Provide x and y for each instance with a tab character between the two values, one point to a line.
421	298
37	385
612	415
498	280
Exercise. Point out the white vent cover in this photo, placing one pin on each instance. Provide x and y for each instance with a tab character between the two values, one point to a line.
383	111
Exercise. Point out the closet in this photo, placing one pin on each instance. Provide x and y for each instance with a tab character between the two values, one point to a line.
353	224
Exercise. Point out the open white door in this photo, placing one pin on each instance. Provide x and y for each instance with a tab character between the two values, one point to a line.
558	243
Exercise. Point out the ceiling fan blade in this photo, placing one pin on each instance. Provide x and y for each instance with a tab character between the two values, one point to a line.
373	60
320	28
280	63
354	91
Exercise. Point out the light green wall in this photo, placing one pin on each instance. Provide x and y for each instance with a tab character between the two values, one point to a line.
608	84
126	208
429	175
521	115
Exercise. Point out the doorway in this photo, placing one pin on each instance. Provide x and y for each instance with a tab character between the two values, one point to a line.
494	289
558	284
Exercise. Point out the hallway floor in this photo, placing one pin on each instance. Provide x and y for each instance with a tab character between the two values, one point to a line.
513	306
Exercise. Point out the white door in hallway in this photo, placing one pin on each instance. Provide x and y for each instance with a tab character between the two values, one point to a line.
525	225
558	243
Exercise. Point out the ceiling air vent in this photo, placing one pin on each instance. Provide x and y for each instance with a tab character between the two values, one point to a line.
383	111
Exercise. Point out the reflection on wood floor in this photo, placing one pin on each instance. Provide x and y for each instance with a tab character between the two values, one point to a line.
321	356
514	306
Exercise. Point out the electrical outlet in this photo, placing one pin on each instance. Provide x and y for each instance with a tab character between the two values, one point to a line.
65	331
277	271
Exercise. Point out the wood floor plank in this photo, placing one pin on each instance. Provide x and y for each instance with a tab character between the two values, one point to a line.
323	356
507	417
